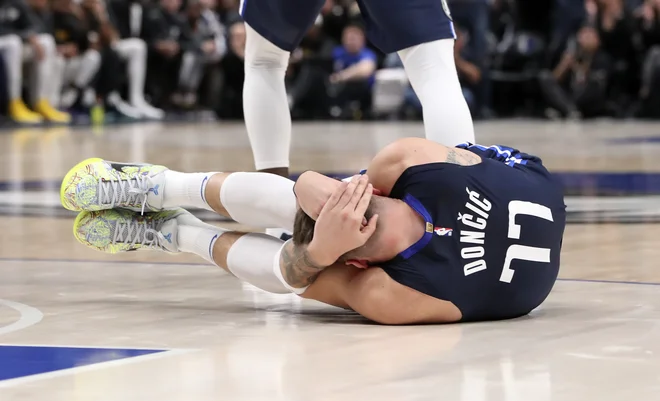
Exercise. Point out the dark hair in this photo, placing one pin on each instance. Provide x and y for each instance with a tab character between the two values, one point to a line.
303	226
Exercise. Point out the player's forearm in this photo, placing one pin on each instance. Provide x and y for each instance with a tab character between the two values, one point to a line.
299	265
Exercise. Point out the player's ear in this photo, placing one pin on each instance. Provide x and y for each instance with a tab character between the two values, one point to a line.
360	264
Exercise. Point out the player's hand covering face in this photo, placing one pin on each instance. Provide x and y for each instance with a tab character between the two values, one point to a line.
313	190
340	227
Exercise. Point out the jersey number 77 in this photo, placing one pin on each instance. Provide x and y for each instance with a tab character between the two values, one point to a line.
522	252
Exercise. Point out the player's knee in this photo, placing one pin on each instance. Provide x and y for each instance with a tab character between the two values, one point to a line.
262	54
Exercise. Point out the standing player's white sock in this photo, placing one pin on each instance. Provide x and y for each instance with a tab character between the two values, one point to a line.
265	105
432	72
185	189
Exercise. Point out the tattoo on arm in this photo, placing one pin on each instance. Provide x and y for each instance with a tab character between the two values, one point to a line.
462	158
297	268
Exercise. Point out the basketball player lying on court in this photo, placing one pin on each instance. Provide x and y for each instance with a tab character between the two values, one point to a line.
453	234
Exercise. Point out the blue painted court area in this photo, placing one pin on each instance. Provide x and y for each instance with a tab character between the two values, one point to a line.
19	361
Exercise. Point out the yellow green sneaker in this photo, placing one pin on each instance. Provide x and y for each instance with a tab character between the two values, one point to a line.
96	184
121	230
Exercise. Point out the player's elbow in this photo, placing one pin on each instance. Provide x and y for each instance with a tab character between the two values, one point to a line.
388	165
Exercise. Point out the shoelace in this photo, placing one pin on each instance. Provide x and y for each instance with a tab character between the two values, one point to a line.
143	233
124	192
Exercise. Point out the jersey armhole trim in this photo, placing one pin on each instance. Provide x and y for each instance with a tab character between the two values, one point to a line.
426	238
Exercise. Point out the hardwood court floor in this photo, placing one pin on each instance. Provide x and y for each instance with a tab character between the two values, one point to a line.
149	326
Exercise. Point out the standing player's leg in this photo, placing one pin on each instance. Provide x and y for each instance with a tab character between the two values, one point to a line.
422	33
432	73
274	28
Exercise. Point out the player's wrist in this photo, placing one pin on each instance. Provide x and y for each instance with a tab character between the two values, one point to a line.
320	255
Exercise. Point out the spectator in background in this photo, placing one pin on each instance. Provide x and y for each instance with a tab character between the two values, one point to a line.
228	12
567	18
131	50
78	59
353	76
210	33
334	17
233	67
620	40
648	20
578	85
128	16
20	39
174	52
102	36
470	74
474	16
310	66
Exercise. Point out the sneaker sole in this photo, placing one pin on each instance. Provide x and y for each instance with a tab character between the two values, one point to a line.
68	178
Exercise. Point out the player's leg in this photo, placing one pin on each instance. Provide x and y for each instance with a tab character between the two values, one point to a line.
274	28
253	258
432	73
11	47
43	71
422	33
263	261
254	199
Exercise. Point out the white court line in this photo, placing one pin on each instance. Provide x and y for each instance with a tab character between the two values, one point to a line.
89	368
29	316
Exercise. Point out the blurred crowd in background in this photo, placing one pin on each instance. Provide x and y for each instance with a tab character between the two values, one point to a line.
148	59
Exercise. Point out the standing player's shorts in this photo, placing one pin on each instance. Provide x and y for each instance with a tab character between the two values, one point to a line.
391	25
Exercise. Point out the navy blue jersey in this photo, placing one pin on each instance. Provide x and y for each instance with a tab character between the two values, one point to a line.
493	233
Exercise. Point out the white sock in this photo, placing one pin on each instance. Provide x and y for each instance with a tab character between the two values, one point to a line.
265	105
199	240
432	72
185	190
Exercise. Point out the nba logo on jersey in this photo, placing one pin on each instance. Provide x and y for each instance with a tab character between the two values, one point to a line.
443	232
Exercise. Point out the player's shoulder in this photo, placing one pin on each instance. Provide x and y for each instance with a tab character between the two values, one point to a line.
405	153
408	152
